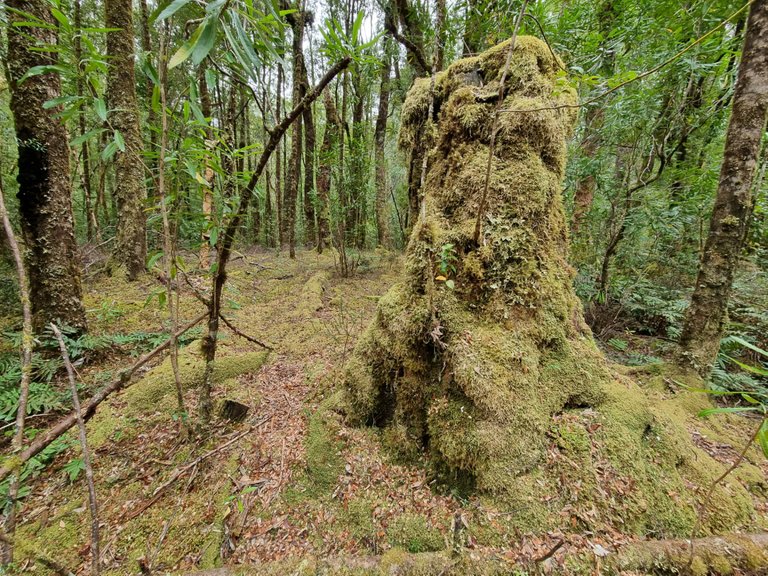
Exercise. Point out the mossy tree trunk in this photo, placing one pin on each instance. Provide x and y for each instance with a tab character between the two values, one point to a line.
45	203
707	314
130	190
379	138
327	160
480	357
294	175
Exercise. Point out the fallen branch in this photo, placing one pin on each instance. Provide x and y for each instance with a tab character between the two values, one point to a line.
243	335
184	469
27	343
63	425
744	553
92	502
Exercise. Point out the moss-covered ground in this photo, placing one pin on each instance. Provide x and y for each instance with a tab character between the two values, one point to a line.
305	485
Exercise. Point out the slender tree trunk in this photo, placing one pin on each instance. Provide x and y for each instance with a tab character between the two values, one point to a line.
309	166
278	164
91	226
207	208
382	186
327	158
130	189
45	194
706	317
294	175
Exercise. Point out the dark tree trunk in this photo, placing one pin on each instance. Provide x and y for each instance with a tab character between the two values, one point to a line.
45	202
294	175
91	225
309	166
382	189
707	315
130	190
278	164
327	158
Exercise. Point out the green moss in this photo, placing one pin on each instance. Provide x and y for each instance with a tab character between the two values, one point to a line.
324	461
412	532
156	390
499	380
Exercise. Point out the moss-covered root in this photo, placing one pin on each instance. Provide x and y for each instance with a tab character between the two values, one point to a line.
722	556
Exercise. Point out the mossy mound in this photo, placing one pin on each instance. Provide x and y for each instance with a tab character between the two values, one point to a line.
481	354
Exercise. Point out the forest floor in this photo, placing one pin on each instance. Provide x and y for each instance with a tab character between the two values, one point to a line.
294	482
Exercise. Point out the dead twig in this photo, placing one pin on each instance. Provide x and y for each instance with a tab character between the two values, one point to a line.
63	425
92	502
158	492
243	335
708	496
27	343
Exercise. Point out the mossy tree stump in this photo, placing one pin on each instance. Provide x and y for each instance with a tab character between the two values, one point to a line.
498	377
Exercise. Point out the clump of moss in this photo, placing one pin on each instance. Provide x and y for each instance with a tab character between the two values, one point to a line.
496	376
156	390
324	461
413	533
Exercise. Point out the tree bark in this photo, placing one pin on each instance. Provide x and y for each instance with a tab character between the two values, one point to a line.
45	202
327	158
310	138
294	174
707	315
130	189
382	188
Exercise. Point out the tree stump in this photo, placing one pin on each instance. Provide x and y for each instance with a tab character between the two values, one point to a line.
481	357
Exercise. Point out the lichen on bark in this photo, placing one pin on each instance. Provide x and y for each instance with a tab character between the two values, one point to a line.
480	356
45	194
130	190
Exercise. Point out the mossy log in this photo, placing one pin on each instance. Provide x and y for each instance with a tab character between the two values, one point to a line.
733	554
481	356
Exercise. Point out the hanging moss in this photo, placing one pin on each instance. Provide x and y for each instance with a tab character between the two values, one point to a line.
495	375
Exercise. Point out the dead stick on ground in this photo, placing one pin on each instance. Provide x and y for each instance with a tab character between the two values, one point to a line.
705	502
183	470
27	343
243	335
92	502
63	425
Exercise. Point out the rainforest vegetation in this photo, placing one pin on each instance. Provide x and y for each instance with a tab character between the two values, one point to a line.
407	287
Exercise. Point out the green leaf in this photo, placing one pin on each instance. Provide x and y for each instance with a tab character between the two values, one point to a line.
762	437
109	151
450	284
170	10
101	109
87	136
213	236
119	141
732	410
748	367
206	40
749	345
153	260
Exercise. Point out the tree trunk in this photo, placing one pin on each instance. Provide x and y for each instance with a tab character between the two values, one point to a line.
327	160
45	194
382	186
309	166
91	225
207	206
130	189
294	175
278	164
707	315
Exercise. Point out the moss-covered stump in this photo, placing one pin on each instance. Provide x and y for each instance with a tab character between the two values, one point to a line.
481	355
